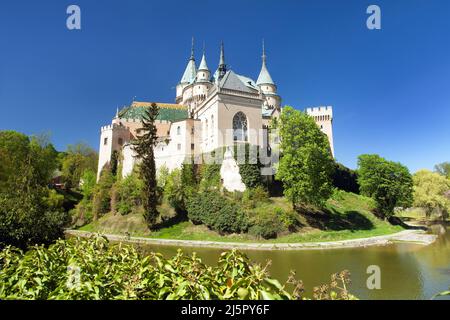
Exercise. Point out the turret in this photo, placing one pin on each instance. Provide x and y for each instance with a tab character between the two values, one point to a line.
188	76
202	83
203	73
267	86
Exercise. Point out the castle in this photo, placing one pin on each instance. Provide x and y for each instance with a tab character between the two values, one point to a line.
210	111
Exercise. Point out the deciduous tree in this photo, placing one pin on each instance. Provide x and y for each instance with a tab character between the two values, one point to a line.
306	164
388	182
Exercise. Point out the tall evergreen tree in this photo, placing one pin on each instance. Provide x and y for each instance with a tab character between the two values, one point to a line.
144	148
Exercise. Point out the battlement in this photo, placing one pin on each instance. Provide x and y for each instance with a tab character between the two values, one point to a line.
322	113
114	127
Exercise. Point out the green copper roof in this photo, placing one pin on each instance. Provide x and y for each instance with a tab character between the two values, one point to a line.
190	72
167	112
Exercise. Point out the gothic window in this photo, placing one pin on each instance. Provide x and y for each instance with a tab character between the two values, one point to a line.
178	130
240	127
212	125
105	141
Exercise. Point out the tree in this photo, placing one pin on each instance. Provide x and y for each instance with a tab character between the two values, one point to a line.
443	169
306	163
345	179
144	148
30	213
78	158
388	182
429	192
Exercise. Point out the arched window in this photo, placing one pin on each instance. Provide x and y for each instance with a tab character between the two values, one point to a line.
212	125
240	127
178	130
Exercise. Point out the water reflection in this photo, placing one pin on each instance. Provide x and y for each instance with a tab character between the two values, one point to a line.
408	271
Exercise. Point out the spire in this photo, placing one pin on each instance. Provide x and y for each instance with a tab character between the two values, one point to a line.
203	65
191	70
222	70
264	75
222	55
192	50
117	113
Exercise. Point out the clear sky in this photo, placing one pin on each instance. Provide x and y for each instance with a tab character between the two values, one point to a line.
390	88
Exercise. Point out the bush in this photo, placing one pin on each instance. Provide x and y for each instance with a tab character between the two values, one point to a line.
217	213
101	201
266	224
94	269
128	194
250	171
253	197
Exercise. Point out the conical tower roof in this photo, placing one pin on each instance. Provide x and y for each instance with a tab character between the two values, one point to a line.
191	69
264	76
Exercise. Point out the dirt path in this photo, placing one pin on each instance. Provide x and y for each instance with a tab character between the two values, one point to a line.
409	236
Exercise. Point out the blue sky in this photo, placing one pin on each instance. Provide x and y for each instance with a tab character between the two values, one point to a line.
390	89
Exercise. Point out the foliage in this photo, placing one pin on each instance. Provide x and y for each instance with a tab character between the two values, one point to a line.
443	169
129	192
101	200
249	166
94	269
29	212
429	190
216	212
144	147
78	159
345	179
162	175
88	181
252	197
266	224
209	175
180	185
306	164
389	183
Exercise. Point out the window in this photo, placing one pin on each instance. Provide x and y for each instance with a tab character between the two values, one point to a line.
179	147
105	141
178	130
120	141
212	125
192	130
192	146
240	127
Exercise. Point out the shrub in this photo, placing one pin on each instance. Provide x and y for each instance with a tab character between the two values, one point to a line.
128	193
210	177
252	197
217	213
266	224
94	269
101	202
250	171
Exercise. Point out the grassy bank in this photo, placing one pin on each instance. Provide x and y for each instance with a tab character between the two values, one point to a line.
346	216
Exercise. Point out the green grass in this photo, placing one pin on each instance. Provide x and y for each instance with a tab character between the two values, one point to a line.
346	216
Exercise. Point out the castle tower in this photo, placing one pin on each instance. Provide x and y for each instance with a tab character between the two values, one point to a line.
112	138
188	76
222	69
267	86
202	82
324	119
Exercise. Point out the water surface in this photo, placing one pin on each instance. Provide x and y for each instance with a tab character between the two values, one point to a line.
408	271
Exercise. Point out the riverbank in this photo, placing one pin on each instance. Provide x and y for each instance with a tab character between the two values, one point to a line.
346	216
407	236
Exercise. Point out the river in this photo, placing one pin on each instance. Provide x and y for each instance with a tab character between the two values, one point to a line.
408	271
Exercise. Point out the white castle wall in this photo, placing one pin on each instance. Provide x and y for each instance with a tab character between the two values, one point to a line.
324	119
